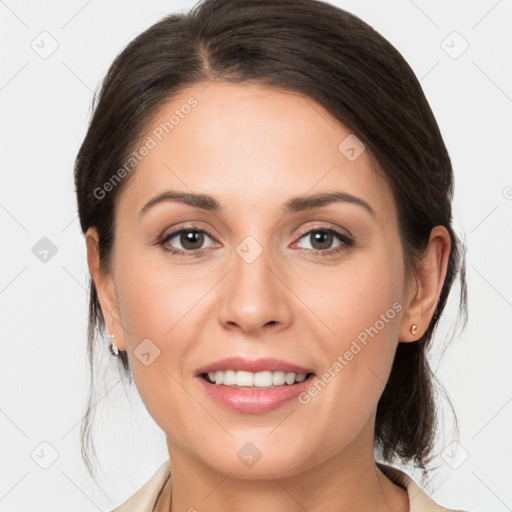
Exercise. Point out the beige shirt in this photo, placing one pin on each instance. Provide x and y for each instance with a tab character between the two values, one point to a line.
144	500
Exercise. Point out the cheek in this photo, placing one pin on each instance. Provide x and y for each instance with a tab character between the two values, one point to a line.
144	305
155	301
362	310
160	312
357	295
154	312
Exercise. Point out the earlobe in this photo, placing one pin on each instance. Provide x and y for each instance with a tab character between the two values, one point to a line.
410	332
430	275
105	289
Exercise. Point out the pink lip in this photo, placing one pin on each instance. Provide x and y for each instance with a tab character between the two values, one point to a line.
253	401
259	365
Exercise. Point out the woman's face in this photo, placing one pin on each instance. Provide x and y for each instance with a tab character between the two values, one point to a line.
255	280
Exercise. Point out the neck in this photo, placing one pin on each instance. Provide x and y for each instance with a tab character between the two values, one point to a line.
347	481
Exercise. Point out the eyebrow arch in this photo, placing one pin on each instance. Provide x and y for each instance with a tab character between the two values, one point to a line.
294	204
203	201
302	203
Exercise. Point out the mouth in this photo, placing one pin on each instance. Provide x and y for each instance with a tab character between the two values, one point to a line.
240	379
253	387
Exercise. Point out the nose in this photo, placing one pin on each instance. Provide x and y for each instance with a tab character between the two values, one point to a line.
254	294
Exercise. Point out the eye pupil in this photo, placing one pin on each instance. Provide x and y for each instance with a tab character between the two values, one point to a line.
325	239
191	237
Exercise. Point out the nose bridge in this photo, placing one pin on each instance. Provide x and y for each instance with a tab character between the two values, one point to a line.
253	296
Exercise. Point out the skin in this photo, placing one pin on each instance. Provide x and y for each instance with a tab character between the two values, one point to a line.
253	147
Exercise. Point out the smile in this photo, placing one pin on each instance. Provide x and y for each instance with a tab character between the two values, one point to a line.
244	379
252	399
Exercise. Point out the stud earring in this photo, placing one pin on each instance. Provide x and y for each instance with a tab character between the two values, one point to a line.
413	328
113	346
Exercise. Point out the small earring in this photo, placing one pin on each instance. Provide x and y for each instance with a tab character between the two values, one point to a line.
413	328
113	346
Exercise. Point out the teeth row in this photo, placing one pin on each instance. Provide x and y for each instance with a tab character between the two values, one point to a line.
258	380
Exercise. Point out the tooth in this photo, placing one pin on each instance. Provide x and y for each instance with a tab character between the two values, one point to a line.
278	378
290	378
263	379
244	378
229	378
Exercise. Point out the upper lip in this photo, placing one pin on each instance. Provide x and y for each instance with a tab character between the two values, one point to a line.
254	366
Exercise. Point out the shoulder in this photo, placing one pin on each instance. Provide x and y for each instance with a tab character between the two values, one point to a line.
144	499
419	501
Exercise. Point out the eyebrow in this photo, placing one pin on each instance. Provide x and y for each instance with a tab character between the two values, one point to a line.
294	204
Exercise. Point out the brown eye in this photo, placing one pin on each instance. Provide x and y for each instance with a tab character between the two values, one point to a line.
185	240
322	240
191	240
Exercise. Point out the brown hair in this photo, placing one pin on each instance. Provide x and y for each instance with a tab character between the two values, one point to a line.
343	64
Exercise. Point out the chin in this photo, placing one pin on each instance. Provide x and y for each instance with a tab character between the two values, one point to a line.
253	460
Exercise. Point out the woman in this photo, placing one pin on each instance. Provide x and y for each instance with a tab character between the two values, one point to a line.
266	201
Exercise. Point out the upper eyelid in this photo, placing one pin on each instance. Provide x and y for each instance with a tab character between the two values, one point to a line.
327	227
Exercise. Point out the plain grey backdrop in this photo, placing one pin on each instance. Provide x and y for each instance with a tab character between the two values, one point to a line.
54	54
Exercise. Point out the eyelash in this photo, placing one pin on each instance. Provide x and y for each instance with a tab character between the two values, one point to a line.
347	242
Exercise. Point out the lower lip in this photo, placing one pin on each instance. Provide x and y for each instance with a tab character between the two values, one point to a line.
254	401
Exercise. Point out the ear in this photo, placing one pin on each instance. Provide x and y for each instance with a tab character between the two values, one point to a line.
427	284
105	289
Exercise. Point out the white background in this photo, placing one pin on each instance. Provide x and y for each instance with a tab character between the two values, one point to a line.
43	366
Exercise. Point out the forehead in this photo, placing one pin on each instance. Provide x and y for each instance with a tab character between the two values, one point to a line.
251	144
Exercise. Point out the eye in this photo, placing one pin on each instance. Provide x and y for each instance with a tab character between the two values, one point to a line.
323	238
190	238
190	241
